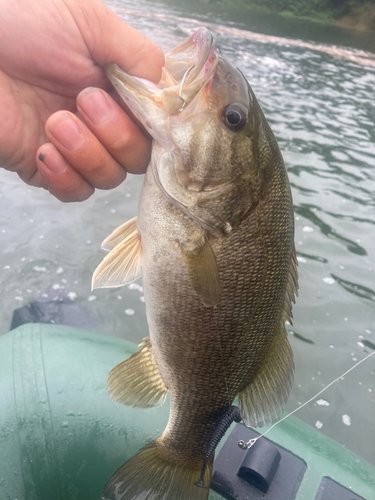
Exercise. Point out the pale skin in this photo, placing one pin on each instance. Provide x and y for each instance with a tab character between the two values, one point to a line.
61	127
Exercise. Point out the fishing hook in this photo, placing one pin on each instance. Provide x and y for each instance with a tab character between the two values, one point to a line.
181	87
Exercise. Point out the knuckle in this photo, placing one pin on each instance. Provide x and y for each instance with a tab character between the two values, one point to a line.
74	195
115	182
104	173
122	143
130	148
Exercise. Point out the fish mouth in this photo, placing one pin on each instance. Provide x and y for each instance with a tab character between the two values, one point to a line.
185	62
188	68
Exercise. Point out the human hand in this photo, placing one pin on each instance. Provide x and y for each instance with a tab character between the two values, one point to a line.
50	51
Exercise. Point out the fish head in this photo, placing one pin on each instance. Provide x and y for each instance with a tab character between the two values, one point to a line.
203	110
214	154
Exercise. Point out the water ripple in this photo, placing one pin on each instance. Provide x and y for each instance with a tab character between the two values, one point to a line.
319	101
360	291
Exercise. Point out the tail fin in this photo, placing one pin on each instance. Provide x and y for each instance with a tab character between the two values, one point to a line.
150	476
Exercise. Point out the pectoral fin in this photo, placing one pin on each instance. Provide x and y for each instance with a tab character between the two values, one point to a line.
122	264
120	234
202	270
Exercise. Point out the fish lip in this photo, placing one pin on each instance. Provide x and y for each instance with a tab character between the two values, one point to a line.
200	44
114	72
190	63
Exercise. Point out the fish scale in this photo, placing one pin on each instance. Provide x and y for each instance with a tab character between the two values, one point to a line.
214	242
185	342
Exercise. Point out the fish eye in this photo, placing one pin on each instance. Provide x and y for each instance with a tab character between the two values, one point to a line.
234	116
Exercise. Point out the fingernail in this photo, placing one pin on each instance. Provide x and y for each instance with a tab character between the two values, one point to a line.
95	105
52	162
67	132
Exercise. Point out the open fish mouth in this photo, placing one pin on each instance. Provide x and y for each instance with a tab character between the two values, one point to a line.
188	68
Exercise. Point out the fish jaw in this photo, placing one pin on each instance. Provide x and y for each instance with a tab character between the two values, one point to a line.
203	160
143	99
188	68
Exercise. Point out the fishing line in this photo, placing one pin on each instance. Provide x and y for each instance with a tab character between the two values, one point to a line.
251	442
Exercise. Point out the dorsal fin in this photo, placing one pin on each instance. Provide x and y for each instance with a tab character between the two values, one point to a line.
264	399
291	288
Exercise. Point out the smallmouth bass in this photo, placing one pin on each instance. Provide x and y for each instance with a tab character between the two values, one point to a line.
213	241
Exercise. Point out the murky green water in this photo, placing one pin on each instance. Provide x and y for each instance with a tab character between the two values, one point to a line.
321	108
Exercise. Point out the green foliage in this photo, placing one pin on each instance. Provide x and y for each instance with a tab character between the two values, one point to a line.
321	9
355	14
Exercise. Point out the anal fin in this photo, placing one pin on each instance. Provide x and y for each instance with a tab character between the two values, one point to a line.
137	381
264	399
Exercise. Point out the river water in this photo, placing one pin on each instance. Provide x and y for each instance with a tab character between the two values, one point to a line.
318	97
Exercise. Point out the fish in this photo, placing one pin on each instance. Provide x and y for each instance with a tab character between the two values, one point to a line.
214	243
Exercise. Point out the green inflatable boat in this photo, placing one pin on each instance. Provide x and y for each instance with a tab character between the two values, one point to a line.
61	438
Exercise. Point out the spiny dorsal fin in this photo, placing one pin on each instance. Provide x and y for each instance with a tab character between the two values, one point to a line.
119	234
137	381
291	288
202	270
122	264
264	399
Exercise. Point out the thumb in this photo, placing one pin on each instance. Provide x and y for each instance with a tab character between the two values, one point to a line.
111	40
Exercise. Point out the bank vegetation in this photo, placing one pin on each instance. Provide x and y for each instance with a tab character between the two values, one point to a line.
355	14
